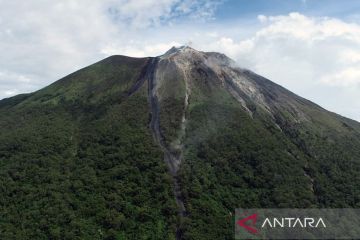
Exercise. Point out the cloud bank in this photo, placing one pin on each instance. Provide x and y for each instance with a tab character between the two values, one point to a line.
41	40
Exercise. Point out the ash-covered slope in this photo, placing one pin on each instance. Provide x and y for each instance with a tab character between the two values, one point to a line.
167	147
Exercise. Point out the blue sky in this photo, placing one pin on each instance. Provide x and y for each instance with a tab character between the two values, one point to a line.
311	47
231	9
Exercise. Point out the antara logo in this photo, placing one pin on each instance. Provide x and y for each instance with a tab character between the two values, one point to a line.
291	222
250	229
249	223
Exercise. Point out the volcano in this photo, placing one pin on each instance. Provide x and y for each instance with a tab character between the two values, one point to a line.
166	148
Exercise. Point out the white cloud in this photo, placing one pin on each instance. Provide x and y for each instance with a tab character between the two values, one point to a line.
348	77
262	18
318	46
139	50
10	82
149	12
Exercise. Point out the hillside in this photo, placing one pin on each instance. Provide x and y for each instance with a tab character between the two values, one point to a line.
166	148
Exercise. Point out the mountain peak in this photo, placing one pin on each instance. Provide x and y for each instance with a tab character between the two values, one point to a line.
189	54
181	49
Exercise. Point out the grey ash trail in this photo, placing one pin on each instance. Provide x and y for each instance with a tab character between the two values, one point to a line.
171	159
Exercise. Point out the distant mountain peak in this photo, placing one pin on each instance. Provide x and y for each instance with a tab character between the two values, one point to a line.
180	51
190	55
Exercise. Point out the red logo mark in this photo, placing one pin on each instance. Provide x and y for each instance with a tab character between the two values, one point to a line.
250	228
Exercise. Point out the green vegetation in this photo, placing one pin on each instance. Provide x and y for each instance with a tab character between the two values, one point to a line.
70	171
234	161
172	91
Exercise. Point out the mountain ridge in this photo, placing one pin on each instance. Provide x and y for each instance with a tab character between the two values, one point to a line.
175	50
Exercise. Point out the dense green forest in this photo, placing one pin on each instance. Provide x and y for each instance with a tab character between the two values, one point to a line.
70	171
234	160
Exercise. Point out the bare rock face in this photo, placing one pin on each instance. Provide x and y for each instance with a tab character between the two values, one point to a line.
180	68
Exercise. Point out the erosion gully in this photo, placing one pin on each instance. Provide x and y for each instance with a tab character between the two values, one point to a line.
171	159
